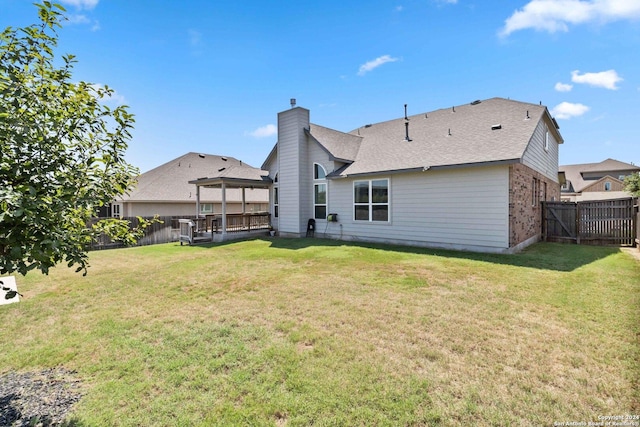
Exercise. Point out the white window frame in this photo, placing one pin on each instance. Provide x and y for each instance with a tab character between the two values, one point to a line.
370	203
116	210
206	208
318	181
276	195
546	141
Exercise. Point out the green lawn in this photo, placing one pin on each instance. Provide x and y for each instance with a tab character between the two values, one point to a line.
309	331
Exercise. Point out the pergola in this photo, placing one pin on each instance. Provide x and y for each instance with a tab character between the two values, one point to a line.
236	177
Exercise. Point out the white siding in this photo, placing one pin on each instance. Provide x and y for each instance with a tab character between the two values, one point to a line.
539	159
293	177
456	209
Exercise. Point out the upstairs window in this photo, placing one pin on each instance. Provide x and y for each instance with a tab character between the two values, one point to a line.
275	196
607	186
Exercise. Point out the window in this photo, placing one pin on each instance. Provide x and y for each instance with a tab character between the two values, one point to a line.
621	177
607	186
275	196
319	192
206	208
546	141
320	201
535	183
115	210
371	200
318	172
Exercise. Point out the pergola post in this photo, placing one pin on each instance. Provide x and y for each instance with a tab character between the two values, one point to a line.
197	201
224	209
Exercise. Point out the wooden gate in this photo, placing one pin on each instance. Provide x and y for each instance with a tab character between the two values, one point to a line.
602	222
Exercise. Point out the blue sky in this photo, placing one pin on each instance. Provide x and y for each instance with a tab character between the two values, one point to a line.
210	76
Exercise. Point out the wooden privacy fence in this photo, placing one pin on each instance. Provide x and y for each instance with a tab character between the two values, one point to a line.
165	231
602	222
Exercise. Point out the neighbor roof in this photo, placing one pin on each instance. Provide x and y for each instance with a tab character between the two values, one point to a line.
170	181
460	135
610	167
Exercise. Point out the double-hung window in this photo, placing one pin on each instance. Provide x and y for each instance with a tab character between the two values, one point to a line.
371	200
275	196
319	192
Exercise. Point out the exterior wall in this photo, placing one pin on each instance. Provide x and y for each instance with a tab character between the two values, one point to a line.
525	215
294	176
539	159
465	209
180	209
598	186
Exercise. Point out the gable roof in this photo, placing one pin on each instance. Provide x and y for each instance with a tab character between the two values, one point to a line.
574	173
461	135
170	182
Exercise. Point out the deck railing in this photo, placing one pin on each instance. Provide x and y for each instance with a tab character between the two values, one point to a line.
239	222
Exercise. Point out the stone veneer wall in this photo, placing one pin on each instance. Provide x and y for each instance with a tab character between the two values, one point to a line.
525	217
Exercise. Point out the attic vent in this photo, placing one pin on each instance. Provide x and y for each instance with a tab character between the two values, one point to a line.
496	127
368	126
201	156
221	169
476	102
224	158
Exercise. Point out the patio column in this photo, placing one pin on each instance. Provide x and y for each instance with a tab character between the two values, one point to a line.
224	210
197	200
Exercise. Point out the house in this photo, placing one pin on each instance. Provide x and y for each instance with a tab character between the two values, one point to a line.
596	181
165	190
469	177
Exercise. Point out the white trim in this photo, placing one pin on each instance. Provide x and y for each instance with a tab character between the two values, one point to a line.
370	204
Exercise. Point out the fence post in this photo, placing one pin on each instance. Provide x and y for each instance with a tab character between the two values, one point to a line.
578	223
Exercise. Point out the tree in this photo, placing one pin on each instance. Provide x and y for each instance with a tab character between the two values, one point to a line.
632	184
61	153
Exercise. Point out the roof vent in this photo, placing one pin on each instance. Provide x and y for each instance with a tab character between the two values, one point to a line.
201	156
496	127
453	109
476	102
406	124
221	169
527	118
293	102
224	158
368	126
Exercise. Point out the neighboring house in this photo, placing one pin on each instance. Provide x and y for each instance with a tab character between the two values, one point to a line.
596	181
469	177
165	190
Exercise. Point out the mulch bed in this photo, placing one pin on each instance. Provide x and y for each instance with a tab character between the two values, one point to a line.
42	398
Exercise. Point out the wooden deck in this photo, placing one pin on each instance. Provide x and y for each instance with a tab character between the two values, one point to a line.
210	229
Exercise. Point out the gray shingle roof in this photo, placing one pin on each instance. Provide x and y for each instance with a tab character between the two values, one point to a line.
447	137
170	182
612	167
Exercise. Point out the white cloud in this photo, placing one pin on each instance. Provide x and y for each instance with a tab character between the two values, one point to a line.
606	79
371	65
563	87
81	4
556	15
566	110
264	131
115	97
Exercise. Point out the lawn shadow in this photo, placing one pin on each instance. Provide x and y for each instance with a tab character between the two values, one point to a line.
541	256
